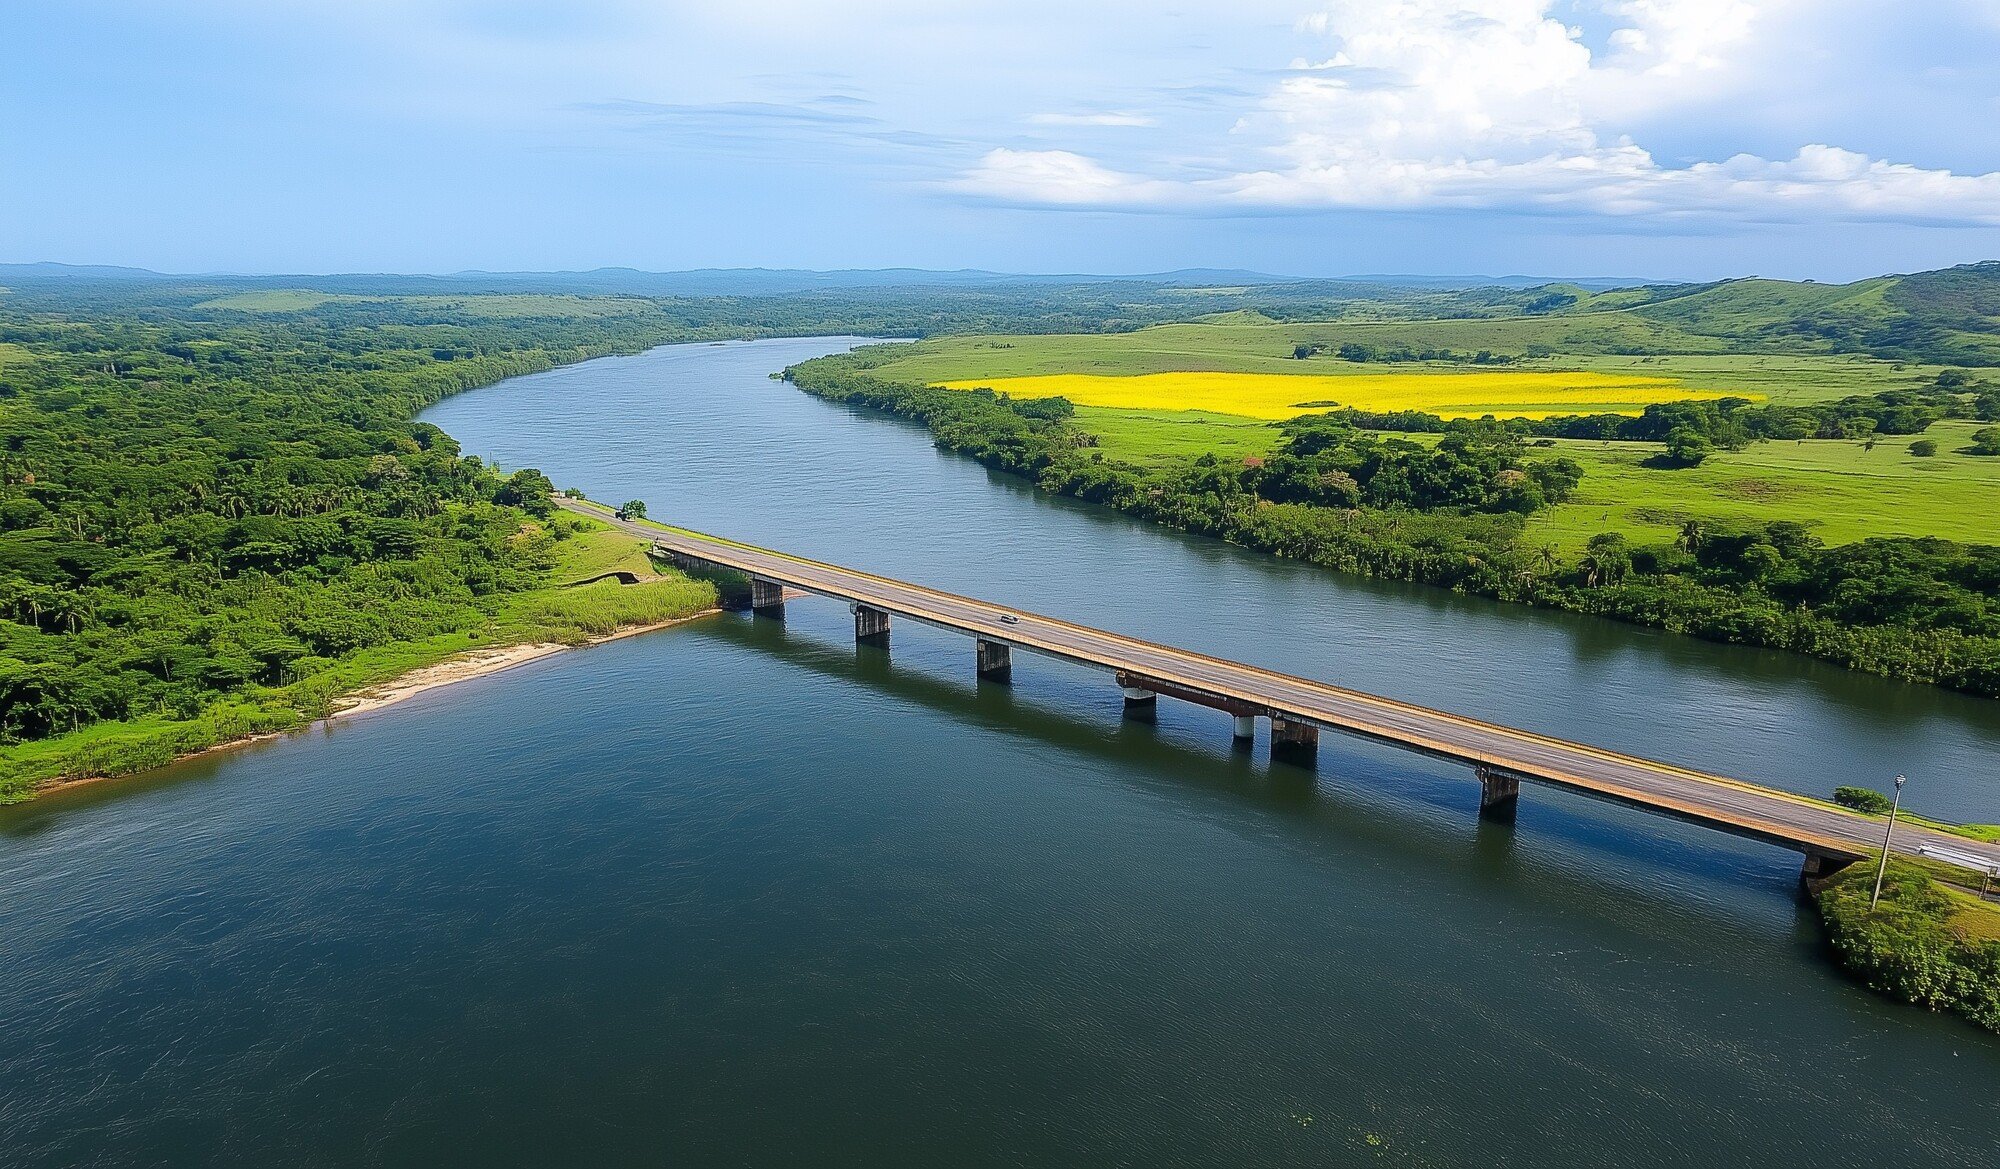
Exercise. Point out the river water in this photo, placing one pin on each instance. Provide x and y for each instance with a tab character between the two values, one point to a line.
742	893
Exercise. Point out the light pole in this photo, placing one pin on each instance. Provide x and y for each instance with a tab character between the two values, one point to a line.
1884	866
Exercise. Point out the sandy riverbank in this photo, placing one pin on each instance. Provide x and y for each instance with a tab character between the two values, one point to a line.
463	667
475	664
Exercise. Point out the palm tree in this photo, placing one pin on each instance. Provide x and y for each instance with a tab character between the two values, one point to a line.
1693	533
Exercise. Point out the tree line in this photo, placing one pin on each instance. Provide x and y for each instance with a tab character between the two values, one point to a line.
1925	610
194	508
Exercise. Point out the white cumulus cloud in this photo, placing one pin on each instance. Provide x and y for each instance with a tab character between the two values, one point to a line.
1114	118
1412	104
1059	178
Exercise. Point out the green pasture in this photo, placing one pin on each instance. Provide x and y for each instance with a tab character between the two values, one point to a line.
495	307
1247	343
281	301
1843	490
1169	437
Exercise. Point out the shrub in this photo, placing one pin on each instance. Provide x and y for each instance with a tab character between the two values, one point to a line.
1686	447
1907	947
1862	799
1923	448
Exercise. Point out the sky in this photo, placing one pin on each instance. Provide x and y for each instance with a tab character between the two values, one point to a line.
1671	139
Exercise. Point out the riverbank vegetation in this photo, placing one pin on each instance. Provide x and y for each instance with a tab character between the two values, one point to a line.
1927	942
214	526
217	515
1459	516
1777	500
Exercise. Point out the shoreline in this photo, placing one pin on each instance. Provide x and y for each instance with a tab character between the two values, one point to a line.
462	667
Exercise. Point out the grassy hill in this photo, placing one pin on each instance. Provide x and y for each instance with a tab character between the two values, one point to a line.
1950	316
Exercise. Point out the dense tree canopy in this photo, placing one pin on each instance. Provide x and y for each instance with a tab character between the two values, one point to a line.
192	504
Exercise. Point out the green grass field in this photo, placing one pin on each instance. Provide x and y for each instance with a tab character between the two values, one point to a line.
1163	438
1844	491
14	355
1248	343
481	307
599	550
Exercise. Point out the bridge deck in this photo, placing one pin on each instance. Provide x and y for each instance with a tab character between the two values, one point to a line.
1731	805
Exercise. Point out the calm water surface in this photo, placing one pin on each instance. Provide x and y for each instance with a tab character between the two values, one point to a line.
741	893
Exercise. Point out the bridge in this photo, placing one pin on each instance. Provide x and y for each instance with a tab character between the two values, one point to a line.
1299	709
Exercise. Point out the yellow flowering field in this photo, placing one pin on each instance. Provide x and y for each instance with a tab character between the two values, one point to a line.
1280	395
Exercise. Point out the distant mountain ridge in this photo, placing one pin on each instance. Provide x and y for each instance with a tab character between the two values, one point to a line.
767	281
1947	316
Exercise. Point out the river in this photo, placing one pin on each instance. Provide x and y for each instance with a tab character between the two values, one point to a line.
743	893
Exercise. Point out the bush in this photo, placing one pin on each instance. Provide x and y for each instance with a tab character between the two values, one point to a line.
1908	947
1686	447
1862	799
1923	448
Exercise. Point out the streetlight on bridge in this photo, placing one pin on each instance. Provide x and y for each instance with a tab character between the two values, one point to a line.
1882	868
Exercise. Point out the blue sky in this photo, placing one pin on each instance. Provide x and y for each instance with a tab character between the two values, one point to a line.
1671	138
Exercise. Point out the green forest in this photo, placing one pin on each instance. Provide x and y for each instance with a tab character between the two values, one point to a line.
213	523
218	515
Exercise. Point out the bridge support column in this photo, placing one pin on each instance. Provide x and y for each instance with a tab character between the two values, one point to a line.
1819	868
767	597
1499	794
1246	727
996	660
870	625
1294	740
1141	705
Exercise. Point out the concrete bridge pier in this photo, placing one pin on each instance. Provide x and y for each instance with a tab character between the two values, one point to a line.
767	597
1294	740
1499	794
1820	868
870	625
996	660
1245	727
1141	705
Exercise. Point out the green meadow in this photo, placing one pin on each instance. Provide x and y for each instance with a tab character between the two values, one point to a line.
495	307
1841	489
1246	342
1845	490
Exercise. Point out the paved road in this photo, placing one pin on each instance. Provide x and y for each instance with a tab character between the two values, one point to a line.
1716	801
